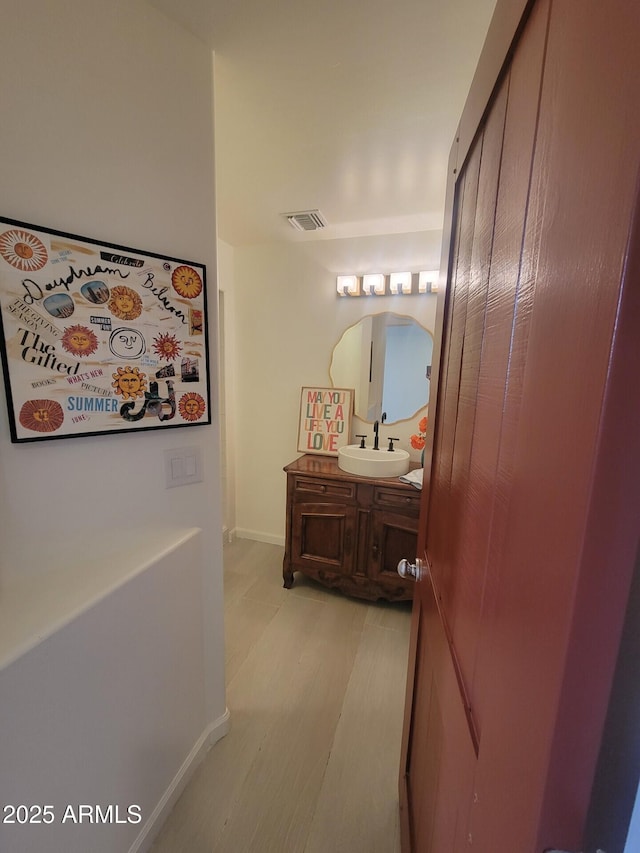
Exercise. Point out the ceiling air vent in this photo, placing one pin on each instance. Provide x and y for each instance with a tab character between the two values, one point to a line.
306	220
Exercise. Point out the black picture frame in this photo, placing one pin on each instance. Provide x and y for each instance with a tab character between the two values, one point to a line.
99	338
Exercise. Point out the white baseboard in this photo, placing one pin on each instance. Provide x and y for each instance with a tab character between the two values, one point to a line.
258	536
216	730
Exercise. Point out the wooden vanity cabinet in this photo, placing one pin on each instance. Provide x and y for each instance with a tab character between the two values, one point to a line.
349	532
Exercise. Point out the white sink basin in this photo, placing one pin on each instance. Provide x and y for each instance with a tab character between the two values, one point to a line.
366	462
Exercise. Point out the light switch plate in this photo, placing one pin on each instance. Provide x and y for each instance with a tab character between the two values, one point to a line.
183	466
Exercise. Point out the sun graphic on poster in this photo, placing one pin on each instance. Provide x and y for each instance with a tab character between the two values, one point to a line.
23	250
125	303
191	406
79	341
187	282
41	415
167	346
129	382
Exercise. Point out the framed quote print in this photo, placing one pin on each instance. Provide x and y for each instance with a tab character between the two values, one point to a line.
98	338
325	420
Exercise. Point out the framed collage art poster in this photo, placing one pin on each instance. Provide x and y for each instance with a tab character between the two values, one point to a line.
98	338
325	420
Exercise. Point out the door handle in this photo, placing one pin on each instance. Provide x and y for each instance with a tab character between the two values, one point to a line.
412	571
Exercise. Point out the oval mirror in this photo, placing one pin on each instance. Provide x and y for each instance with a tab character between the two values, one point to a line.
386	359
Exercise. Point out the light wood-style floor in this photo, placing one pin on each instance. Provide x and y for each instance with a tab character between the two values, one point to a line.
315	687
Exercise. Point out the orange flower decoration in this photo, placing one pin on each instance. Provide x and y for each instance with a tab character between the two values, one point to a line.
417	440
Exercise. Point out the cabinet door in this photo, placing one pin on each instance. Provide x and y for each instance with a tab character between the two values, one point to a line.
393	537
323	537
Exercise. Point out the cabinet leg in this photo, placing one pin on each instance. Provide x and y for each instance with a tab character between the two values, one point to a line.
287	574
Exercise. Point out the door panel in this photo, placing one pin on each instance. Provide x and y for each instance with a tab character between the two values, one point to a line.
323	536
392	537
443	528
515	629
505	334
442	737
471	495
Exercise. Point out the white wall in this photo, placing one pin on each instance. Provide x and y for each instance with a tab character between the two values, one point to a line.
105	711
227	383
107	132
288	319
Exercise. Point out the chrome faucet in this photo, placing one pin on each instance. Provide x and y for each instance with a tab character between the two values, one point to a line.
376	427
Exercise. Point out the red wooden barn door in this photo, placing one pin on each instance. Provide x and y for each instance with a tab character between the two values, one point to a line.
530	508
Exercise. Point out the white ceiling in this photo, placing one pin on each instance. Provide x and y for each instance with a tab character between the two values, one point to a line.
347	106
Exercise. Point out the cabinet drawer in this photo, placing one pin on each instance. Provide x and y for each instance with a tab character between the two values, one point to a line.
330	488
400	499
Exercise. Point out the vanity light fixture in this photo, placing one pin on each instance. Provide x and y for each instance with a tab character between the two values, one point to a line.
348	285
400	282
373	283
394	284
428	281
